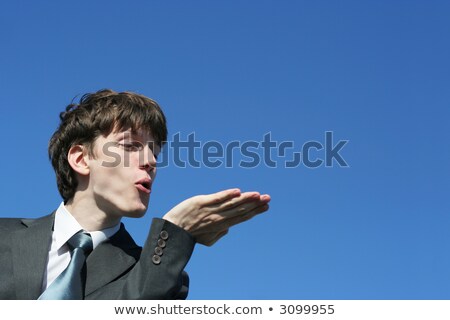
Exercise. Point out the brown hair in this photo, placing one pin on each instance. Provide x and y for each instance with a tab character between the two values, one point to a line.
96	114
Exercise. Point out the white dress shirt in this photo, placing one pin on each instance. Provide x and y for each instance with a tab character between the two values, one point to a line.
59	255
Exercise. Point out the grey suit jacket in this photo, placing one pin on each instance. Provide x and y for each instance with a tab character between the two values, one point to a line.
116	269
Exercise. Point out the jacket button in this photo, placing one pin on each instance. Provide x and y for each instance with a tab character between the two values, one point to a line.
161	243
164	235
156	259
158	251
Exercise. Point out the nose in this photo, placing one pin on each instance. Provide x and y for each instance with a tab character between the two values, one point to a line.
148	160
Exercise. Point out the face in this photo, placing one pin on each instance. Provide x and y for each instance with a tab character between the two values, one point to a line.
122	171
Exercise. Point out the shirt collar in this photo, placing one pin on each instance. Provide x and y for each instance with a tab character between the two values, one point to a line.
66	226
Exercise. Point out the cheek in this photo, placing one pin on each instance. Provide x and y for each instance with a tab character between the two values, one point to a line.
132	161
153	174
112	181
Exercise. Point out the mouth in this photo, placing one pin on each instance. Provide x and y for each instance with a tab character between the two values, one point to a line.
144	185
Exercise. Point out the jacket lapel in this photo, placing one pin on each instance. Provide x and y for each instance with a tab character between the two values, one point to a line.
111	259
30	254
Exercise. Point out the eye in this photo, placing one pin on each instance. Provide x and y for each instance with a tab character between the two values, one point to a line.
155	151
131	146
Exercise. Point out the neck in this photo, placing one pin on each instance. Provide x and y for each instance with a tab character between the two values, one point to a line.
89	215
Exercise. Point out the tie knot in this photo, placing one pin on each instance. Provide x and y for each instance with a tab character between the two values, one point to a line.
81	240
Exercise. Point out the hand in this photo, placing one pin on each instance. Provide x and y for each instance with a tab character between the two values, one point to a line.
208	217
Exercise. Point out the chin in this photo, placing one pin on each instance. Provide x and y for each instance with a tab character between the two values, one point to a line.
137	212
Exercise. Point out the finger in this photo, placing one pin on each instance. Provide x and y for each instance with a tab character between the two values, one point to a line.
241	206
250	214
219	197
245	197
227	222
216	217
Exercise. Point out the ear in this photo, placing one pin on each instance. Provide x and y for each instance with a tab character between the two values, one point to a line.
79	159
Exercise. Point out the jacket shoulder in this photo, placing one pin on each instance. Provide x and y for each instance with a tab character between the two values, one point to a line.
11	223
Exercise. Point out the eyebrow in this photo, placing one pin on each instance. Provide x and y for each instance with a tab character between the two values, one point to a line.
134	135
131	134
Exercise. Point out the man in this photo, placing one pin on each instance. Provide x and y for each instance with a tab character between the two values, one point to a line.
104	156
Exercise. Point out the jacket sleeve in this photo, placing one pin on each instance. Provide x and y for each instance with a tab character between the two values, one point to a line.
158	274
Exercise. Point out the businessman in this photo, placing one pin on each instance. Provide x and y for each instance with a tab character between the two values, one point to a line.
104	155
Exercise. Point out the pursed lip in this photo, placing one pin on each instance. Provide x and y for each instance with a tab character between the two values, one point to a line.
144	185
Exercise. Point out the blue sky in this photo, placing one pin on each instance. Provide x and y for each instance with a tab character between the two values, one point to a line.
375	73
